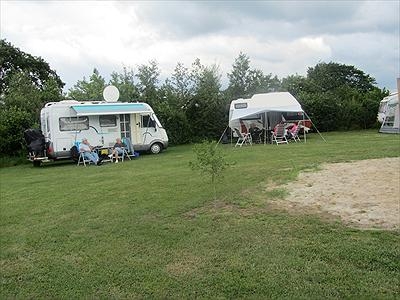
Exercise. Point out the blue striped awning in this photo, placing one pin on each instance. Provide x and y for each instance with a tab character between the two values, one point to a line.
110	109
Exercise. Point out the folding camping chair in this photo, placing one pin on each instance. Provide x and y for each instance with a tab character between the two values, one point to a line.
81	158
295	134
128	151
278	135
243	138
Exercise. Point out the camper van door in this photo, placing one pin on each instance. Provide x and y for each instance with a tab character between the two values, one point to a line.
148	129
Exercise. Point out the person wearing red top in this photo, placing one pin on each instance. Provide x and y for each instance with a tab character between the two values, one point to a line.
292	130
243	128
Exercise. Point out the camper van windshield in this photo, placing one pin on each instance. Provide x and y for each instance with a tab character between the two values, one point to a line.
147	121
74	123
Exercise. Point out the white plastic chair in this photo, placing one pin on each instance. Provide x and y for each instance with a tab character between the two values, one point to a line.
243	138
295	134
278	136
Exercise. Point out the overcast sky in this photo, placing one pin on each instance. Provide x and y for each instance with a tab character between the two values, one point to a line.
280	37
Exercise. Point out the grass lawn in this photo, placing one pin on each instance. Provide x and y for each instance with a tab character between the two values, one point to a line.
150	228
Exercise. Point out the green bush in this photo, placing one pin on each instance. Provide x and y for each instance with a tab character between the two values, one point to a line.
13	123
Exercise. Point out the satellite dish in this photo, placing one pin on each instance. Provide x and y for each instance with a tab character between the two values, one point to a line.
110	94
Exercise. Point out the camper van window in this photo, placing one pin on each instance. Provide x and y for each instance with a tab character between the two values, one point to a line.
147	121
74	123
108	121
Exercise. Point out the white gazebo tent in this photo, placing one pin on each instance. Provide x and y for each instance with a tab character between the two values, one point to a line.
267	109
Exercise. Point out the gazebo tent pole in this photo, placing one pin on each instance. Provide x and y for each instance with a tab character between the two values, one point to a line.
304	131
265	128
315	127
222	135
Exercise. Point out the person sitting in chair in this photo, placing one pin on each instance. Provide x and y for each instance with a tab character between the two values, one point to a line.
88	152
255	133
118	149
243	128
280	124
291	131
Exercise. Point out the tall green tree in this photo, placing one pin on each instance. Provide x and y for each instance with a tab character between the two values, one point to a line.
14	61
183	83
176	94
125	82
20	110
239	77
205	112
329	76
88	90
26	84
244	81
295	84
337	96
148	83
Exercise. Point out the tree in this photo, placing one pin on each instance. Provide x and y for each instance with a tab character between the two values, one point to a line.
125	82
148	80
244	82
14	61
88	90
177	93
370	105
182	82
294	84
329	76
239	77
26	84
210	162
205	111
336	96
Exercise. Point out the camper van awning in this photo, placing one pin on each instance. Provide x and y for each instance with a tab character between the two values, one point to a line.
110	109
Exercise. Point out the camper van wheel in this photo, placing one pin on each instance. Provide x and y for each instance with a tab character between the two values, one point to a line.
37	163
156	148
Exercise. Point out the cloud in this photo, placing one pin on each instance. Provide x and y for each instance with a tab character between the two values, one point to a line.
280	37
191	19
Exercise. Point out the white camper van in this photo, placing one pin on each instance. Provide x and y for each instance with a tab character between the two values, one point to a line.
66	122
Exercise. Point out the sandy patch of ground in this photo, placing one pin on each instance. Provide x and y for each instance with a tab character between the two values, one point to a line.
364	194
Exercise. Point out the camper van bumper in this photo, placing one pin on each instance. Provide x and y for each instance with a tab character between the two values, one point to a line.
33	158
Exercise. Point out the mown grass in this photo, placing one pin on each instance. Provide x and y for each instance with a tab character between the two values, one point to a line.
150	228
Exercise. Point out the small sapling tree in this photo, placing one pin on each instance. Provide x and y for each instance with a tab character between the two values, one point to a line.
210	162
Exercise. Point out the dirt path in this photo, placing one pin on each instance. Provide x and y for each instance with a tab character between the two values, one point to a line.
364	194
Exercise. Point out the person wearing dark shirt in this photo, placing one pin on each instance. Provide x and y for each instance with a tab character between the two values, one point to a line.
118	149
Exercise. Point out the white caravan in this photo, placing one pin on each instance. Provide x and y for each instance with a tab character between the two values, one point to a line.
389	114
66	122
